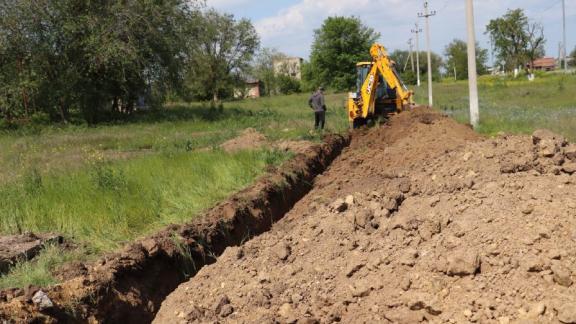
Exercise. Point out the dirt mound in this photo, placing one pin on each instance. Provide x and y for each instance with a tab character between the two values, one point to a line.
420	220
14	248
248	139
296	147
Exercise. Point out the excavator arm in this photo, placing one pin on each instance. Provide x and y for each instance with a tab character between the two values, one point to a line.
362	104
386	68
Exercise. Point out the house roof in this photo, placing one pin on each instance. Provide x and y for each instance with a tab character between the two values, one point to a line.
544	61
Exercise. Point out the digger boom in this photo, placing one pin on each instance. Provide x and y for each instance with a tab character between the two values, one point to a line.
365	103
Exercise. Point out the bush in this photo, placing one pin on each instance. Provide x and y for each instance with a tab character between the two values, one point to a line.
288	85
107	178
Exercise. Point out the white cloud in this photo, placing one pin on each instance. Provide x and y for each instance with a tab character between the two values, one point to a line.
226	4
308	14
291	29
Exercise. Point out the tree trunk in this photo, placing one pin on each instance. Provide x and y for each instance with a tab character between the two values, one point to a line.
25	102
62	111
19	66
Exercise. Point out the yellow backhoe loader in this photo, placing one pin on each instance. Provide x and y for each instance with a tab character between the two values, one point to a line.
380	91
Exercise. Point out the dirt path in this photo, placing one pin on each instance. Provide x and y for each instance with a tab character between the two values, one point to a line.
418	221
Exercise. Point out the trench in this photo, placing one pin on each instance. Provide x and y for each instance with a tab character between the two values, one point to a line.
130	286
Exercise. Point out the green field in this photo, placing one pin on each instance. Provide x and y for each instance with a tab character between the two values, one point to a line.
104	186
513	106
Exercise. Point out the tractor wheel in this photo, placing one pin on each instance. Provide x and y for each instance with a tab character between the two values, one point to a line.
359	122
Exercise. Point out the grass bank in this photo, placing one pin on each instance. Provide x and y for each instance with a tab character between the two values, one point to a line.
104	186
516	106
110	204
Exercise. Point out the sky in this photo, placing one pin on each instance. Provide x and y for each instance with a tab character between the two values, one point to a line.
288	25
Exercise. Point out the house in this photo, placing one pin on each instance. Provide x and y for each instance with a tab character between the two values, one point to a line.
544	64
291	66
252	89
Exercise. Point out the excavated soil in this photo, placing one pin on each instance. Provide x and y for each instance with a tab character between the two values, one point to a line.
248	139
420	220
15	248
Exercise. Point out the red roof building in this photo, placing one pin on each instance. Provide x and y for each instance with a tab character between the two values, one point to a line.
544	64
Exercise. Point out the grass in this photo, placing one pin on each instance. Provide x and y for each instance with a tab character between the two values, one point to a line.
180	125
513	106
109	205
39	272
104	186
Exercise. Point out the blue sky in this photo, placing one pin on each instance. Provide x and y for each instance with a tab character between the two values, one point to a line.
288	25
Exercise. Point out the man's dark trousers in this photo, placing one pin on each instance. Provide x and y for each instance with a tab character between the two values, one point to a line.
319	119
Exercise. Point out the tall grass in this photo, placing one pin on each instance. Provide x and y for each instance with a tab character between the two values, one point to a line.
40	271
513	105
109	204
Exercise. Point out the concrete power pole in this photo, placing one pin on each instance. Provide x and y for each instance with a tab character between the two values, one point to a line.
426	15
417	31
564	35
472	76
411	54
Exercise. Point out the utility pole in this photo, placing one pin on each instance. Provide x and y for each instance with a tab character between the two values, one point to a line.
411	54
417	31
560	56
472	76
426	15
564	35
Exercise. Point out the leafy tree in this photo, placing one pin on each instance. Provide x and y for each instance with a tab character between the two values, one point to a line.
90	56
573	57
516	40
400	57
222	55
338	45
288	84
263	69
457	57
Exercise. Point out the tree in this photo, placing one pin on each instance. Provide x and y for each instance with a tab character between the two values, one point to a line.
338	45
222	55
572	57
400	57
516	40
263	69
457	57
91	56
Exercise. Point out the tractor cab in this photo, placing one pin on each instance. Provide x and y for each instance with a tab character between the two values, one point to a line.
385	101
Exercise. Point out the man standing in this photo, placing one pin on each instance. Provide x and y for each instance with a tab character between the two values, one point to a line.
317	103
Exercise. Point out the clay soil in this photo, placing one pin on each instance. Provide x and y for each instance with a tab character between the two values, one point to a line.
420	220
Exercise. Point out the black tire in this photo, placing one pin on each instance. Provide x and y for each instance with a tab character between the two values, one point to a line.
359	122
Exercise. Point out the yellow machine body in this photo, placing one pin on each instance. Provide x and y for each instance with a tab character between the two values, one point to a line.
380	91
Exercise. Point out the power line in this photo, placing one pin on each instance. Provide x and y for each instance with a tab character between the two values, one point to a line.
552	6
446	3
